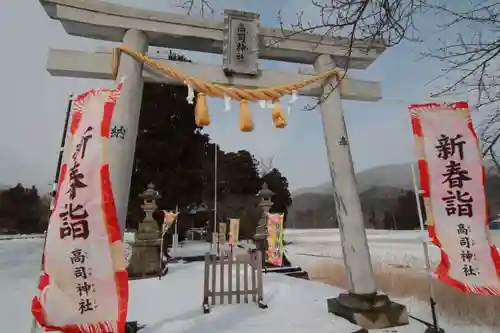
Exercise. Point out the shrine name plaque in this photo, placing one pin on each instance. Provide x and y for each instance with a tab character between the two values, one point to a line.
241	43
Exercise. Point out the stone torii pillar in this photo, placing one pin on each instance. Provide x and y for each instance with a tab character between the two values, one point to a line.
362	305
126	120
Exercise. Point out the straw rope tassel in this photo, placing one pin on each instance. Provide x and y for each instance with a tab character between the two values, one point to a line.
201	115
278	114
246	122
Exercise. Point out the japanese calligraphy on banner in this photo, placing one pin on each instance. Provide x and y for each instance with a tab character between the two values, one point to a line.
234	232
84	284
452	179
168	220
275	239
222	233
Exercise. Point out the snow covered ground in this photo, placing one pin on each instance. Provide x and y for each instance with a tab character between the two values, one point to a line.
7	237
173	304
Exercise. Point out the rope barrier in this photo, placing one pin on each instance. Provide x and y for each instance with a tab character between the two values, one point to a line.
205	88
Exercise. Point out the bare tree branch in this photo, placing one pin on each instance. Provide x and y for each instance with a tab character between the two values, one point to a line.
265	165
204	7
361	21
471	60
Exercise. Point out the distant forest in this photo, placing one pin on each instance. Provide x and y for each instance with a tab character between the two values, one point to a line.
23	210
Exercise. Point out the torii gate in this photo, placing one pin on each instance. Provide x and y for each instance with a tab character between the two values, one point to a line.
139	28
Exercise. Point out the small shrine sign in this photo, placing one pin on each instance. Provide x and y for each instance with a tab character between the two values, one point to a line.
241	43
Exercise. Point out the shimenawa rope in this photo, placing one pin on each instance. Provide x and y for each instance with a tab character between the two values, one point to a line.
216	90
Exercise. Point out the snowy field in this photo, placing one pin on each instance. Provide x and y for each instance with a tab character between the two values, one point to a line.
8	237
386	246
173	304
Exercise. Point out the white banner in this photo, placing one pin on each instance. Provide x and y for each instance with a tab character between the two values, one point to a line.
452	178
84	284
234	232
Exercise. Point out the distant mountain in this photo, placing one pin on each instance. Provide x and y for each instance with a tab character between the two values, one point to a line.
379	189
4	187
317	210
392	175
324	188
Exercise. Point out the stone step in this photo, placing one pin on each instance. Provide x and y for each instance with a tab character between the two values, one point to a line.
283	270
295	272
299	275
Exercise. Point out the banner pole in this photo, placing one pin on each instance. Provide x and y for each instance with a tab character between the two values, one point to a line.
175	235
56	182
214	234
427	260
161	246
218	241
161	257
424	238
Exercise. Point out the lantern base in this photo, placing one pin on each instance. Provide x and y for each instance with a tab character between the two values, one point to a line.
145	259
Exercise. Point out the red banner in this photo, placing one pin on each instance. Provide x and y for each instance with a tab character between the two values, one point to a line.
84	283
452	179
168	220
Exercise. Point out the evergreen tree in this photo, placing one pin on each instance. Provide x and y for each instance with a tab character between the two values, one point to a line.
175	155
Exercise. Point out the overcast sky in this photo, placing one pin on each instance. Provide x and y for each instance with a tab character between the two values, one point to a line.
33	103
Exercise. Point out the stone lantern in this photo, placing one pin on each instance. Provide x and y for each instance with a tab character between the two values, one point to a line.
145	259
148	228
265	195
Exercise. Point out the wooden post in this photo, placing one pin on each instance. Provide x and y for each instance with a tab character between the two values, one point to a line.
213	277
221	261
230	277
260	300
238	294
253	258
205	283
245	283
